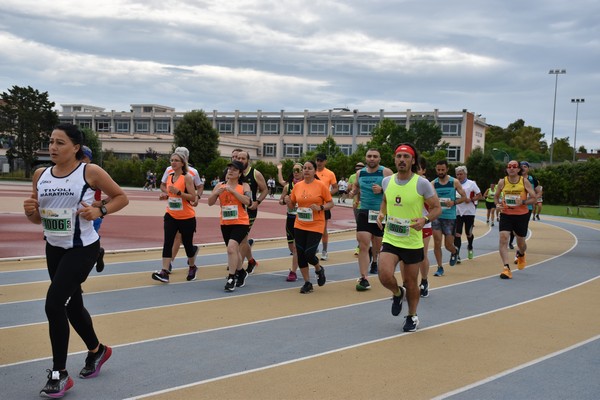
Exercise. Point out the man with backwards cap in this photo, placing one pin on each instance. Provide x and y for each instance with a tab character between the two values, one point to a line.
404	196
328	178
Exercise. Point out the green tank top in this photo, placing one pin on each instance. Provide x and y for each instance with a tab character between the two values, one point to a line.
404	203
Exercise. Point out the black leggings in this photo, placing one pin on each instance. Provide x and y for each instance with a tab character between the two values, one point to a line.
307	243
68	269
186	227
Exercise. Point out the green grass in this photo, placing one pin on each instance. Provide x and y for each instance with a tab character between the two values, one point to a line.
563	211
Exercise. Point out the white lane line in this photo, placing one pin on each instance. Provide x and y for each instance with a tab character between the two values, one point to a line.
192	384
515	369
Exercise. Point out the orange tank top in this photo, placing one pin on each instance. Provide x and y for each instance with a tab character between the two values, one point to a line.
233	212
177	207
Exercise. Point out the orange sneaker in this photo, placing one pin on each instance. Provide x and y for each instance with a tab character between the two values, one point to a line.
506	273
521	261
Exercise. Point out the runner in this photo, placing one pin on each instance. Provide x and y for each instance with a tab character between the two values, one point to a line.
256	181
61	200
199	185
514	215
234	197
328	178
427	233
294	178
465	212
180	217
405	194
534	184
489	203
312	198
446	188
368	234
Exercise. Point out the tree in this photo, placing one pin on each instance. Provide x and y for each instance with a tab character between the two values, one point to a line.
27	116
563	151
425	135
196	133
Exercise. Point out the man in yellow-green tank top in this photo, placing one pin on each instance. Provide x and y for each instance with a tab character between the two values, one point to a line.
405	194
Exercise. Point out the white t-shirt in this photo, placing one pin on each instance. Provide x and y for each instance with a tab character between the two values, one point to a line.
193	171
471	190
342	185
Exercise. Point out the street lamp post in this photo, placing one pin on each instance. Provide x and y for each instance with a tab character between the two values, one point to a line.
576	101
555	72
507	156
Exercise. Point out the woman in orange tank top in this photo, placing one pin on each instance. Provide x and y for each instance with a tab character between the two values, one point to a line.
179	217
234	196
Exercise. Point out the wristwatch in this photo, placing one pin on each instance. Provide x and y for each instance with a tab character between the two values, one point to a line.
103	210
426	220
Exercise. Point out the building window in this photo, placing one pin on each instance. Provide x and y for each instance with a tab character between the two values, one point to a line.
147	109
269	149
270	128
342	129
84	124
318	128
102	126
293	128
76	108
292	150
346	149
122	126
247	128
142	126
225	127
366	128
450	128
453	153
311	147
162	126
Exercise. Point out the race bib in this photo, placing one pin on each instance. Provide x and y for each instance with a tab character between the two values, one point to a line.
398	226
57	221
229	212
305	214
443	201
512	200
373	216
175	203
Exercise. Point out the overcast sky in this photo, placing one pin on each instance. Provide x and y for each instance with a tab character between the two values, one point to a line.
490	57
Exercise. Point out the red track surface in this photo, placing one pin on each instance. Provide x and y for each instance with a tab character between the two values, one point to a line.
142	229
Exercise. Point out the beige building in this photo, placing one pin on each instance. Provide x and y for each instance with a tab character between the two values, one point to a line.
270	136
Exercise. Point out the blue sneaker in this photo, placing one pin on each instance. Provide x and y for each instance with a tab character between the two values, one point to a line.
453	259
397	302
439	272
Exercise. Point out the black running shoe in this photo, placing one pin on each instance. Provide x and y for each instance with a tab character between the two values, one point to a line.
306	288
363	284
162	275
411	323
397	302
321	276
230	284
94	362
374	268
191	276
240	278
100	260
424	289
251	265
58	384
